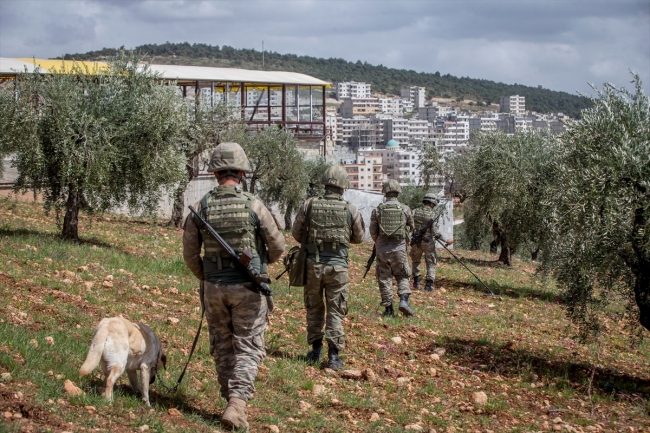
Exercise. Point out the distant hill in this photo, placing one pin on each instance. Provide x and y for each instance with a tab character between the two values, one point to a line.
384	80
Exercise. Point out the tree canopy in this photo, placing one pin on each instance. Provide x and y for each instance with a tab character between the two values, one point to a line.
601	208
94	142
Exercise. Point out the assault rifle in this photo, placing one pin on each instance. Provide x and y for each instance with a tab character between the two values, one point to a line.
243	261
371	260
416	237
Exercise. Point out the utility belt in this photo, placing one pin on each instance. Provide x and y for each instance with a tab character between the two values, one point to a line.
319	246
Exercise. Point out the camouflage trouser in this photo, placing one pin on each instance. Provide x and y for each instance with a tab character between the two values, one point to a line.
429	251
389	265
331	283
237	318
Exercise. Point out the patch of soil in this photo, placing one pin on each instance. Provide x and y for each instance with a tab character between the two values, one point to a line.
32	418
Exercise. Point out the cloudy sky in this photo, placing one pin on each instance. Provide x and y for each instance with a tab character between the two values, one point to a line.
561	45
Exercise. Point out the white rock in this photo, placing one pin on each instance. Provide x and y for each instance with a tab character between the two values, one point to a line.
6	377
480	398
49	340
33	343
143	427
303	405
402	381
414	427
351	374
396	340
374	417
274	428
173	320
439	351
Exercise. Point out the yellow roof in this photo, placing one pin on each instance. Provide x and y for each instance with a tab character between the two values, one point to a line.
67	65
182	74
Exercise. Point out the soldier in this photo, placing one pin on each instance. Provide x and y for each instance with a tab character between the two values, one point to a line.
328	225
236	312
389	226
427	244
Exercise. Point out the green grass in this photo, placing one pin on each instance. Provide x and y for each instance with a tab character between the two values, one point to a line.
517	347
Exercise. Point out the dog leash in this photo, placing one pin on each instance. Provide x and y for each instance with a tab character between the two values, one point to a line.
196	339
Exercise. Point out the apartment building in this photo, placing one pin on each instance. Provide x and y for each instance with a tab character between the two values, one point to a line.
355	107
401	165
366	172
391	106
352	89
451	131
358	132
418	131
414	94
513	104
398	130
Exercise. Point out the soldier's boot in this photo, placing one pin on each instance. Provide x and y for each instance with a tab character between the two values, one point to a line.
333	360
313	356
404	305
416	283
428	287
235	415
389	311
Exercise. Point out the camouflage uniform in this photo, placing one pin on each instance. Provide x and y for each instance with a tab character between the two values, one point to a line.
426	247
332	224
236	312
392	260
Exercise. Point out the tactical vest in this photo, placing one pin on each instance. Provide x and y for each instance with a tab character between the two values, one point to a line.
328	225
228	211
392	222
422	216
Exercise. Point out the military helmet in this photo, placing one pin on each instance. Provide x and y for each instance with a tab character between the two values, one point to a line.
336	176
391	185
430	198
229	156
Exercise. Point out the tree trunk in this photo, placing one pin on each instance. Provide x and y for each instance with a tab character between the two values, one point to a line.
494	245
71	219
179	205
533	254
287	216
642	269
506	254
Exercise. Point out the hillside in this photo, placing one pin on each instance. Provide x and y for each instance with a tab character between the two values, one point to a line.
517	348
383	79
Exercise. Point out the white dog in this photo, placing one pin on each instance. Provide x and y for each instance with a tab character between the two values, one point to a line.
121	345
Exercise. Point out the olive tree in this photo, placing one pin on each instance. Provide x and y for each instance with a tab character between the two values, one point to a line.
279	170
205	126
94	141
601	208
505	178
430	166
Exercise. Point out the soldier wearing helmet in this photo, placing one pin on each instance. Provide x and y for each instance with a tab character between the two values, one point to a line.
427	246
390	223
327	226
235	311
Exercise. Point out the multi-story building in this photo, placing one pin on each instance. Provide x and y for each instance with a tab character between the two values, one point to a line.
391	106
358	132
396	129
352	89
514	104
418	131
354	107
401	165
451	131
414	94
366	172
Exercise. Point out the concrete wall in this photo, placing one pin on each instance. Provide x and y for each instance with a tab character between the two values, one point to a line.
366	201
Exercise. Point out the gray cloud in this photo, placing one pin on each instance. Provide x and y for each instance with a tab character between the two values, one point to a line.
560	45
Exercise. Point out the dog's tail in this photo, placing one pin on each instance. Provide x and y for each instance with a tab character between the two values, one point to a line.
95	351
